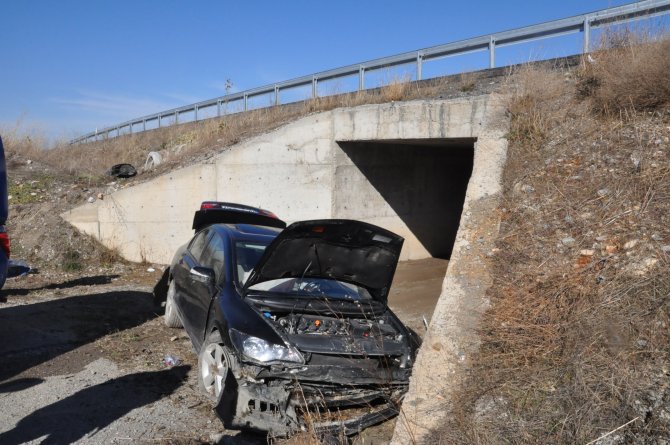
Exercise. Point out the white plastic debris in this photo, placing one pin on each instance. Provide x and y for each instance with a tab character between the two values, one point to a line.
154	159
171	360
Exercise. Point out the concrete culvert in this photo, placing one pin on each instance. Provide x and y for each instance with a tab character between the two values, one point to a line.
422	180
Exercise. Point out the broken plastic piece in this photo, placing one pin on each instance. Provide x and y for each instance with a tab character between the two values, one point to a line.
154	159
17	268
122	171
171	360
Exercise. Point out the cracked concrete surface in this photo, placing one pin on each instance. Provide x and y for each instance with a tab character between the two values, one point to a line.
452	335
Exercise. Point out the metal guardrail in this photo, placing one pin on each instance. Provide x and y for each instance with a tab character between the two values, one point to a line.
581	23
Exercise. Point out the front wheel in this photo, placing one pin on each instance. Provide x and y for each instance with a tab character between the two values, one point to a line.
214	362
171	317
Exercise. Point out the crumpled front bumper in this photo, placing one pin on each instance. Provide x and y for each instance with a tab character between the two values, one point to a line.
279	406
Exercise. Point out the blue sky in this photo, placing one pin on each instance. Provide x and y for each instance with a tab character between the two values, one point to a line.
73	65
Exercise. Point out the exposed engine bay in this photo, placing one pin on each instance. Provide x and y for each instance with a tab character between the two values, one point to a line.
345	333
315	325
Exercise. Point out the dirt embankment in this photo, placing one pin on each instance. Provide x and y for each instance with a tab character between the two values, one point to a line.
576	345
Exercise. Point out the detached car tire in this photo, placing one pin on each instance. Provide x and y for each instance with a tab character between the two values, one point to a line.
215	362
171	317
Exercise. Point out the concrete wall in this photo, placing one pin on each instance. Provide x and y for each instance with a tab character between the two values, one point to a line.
299	171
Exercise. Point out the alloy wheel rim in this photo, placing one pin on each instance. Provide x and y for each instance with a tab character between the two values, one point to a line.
213	369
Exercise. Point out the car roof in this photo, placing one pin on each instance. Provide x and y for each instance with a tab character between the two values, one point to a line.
247	232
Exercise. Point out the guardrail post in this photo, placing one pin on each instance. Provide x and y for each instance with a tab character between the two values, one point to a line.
361	78
246	102
419	66
218	108
492	52
587	35
144	125
159	121
176	117
276	95
118	131
195	113
314	87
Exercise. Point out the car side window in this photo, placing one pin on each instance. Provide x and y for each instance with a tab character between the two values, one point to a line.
198	244
213	255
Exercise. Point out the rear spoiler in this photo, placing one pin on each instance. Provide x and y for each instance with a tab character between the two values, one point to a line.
229	213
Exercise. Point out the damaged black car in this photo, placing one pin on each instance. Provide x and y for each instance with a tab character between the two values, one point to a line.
291	323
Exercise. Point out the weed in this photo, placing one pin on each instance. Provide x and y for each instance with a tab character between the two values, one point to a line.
27	192
629	70
72	261
468	82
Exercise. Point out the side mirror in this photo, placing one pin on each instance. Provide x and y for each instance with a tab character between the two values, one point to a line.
202	274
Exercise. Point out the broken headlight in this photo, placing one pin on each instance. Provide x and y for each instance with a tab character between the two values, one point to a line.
262	351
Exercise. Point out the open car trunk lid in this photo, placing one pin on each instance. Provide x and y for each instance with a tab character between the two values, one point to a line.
212	212
344	250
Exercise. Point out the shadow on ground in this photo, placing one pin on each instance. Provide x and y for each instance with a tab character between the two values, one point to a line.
35	333
83	281
94	408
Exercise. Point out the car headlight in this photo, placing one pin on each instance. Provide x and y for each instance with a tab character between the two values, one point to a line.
262	351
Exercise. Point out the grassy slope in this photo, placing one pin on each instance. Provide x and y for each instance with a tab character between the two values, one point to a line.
577	340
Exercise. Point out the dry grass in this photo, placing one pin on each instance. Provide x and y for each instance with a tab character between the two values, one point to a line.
186	143
538	99
630	70
577	340
22	142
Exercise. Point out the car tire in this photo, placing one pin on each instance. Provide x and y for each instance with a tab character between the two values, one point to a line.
171	317
215	361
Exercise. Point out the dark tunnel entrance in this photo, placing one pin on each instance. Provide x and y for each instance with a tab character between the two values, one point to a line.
424	181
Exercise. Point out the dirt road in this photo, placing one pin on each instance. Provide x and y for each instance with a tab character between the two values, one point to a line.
83	360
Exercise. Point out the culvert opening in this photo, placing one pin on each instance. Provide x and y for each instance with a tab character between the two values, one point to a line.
423	181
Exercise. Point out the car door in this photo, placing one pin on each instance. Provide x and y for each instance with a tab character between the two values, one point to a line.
185	295
204	291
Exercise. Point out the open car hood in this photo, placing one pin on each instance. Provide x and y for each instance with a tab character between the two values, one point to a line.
345	250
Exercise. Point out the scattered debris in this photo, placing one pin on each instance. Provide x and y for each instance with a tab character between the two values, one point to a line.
154	159
630	244
17	268
91	199
122	171
568	241
171	360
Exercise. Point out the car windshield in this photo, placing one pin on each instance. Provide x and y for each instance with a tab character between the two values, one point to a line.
247	255
318	287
